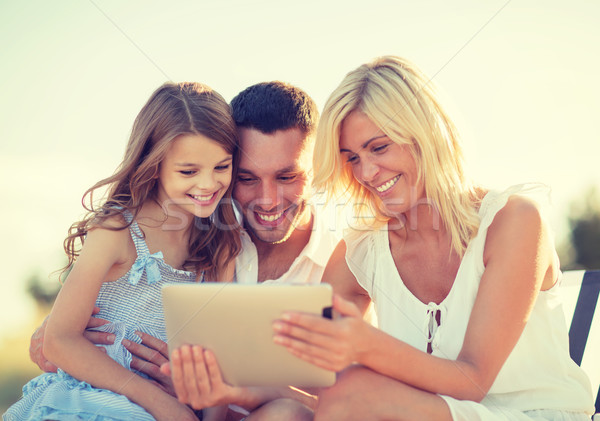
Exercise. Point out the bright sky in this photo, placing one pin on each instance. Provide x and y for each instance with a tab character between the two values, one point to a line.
520	78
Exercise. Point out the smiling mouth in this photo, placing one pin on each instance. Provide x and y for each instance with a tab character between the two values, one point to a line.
388	185
202	198
269	218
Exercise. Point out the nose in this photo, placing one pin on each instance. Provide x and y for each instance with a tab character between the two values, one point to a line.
206	181
269	196
366	171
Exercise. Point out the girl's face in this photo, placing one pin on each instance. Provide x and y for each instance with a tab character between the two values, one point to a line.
194	175
384	167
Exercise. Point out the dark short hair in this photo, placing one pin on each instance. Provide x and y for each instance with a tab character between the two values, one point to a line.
272	106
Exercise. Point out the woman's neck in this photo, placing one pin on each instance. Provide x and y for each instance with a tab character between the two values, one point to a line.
423	221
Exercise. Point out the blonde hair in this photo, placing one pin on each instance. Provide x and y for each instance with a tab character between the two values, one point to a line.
399	99
173	109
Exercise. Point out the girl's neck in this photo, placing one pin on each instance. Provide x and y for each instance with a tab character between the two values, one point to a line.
174	226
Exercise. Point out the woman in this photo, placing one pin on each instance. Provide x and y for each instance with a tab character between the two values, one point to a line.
464	280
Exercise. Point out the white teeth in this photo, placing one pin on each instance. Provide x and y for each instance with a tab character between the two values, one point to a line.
385	187
269	218
200	198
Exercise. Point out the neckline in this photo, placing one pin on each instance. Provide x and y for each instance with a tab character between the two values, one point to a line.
388	255
143	250
390	258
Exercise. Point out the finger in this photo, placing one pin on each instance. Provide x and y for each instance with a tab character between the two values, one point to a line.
324	358
99	338
95	310
150	369
200	370
145	353
305	335
345	307
177	377
309	321
95	322
312	359
154	343
194	382
214	371
166	369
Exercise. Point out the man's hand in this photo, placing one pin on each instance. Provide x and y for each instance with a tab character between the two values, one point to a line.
147	358
197	378
36	346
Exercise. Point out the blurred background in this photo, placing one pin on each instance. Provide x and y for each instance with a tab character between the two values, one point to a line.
519	77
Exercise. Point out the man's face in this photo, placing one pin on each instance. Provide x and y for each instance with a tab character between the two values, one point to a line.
272	183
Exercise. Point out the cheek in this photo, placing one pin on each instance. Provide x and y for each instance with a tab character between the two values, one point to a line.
241	194
354	171
225	179
296	192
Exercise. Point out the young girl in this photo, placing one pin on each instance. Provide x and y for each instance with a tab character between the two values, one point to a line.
163	222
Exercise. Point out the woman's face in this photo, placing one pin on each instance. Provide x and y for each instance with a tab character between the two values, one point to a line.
387	169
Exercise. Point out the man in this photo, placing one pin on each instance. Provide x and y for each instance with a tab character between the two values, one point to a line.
285	240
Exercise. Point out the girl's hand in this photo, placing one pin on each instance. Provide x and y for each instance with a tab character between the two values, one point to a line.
148	357
167	408
330	344
197	378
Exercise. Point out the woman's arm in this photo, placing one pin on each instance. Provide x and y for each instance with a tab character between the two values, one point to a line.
102	257
344	283
519	261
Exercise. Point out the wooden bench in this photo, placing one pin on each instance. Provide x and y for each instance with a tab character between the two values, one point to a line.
580	290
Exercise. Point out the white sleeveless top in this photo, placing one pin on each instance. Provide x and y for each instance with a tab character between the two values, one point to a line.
538	374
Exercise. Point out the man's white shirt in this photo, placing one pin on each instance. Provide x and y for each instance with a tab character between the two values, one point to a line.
307	268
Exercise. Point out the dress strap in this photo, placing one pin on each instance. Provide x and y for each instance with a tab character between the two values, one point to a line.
136	235
145	261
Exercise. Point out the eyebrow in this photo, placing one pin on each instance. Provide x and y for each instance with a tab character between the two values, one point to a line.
291	168
191	164
364	145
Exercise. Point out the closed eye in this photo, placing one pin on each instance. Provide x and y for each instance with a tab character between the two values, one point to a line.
352	159
288	178
381	148
244	179
222	167
187	172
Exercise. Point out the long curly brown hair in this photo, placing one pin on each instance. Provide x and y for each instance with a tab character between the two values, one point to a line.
172	110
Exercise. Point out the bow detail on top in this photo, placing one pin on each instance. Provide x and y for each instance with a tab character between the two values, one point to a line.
431	323
148	262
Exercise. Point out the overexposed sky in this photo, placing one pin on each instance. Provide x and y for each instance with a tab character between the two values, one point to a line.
520	78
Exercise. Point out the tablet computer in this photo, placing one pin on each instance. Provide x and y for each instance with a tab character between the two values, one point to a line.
235	322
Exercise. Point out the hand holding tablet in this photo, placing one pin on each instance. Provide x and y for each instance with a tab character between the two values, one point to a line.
235	322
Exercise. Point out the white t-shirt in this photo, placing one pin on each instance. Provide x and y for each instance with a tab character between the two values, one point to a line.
538	374
307	268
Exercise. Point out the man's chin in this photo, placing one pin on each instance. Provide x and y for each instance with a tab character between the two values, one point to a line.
270	236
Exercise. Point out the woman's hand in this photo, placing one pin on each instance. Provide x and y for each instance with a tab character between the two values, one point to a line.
197	378
330	344
148	357
36	346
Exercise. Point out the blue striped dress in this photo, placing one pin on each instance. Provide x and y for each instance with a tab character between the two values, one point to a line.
130	303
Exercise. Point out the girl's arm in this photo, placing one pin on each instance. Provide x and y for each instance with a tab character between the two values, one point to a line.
519	260
104	256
